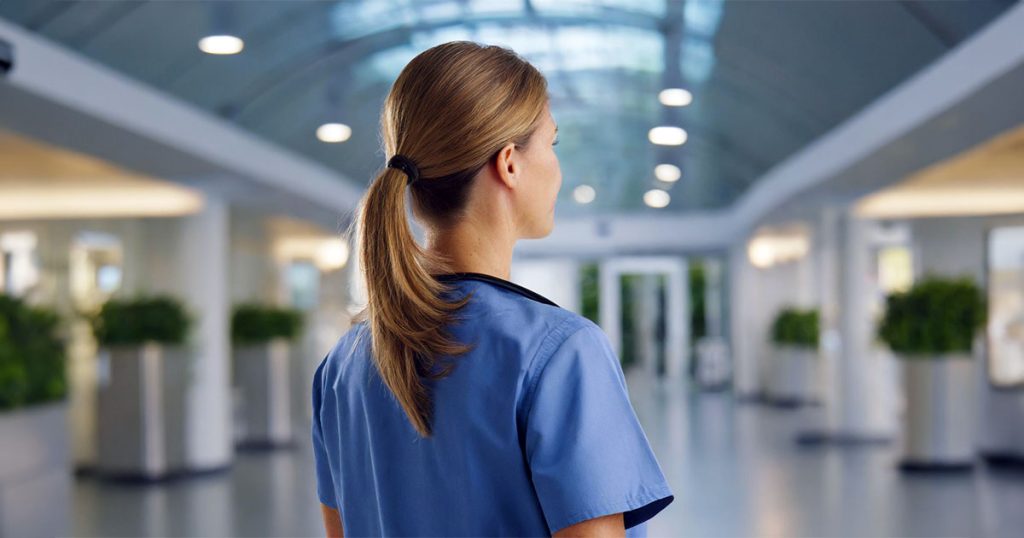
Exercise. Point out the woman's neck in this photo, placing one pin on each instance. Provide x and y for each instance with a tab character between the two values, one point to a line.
475	246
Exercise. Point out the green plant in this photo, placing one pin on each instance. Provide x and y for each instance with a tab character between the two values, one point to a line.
936	316
796	327
590	291
158	319
698	289
32	369
256	324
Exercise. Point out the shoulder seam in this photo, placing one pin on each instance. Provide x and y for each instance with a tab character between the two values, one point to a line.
546	358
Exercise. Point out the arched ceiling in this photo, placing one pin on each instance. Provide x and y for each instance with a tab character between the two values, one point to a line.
768	77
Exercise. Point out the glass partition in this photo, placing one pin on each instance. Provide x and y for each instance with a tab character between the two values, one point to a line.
1006	306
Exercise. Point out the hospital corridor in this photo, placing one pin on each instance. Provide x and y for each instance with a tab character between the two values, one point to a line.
662	268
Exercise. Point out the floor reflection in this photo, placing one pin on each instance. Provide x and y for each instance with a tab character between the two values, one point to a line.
734	467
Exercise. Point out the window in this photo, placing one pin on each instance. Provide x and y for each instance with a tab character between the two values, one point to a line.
19	265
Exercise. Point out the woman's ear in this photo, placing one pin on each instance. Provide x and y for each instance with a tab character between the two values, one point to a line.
507	166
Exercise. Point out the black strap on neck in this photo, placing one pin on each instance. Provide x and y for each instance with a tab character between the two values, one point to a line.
495	281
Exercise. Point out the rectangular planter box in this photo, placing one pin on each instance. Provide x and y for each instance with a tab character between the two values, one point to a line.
713	366
140	419
938	421
35	472
794	375
1002	421
263	376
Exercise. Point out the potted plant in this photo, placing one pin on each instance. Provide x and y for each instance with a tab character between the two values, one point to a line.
932	328
34	439
140	408
261	336
794	371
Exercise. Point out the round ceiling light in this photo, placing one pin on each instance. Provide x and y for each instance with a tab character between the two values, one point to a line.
669	173
584	194
656	198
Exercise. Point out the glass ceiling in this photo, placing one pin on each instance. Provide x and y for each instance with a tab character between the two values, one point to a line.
767	77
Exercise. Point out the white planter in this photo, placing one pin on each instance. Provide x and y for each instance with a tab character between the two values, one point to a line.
263	374
794	375
1000	419
35	472
713	365
140	421
938	420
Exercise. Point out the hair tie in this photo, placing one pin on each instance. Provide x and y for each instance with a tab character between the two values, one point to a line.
405	164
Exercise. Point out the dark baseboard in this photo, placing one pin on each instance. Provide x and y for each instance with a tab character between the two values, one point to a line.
139	478
264	446
785	403
838	439
749	397
716	388
1010	460
936	467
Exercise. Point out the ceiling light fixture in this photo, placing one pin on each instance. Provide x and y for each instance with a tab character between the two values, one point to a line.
669	173
223	44
333	132
675	97
657	198
584	194
667	136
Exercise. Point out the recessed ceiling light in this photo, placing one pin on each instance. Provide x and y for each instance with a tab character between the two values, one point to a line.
333	132
584	194
667	136
669	173
221	44
657	198
675	97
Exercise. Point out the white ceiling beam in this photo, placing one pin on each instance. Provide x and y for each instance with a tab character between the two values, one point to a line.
60	96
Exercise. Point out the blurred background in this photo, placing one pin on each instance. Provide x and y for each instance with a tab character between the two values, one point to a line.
800	223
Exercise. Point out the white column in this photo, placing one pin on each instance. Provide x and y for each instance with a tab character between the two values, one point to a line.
645	316
201	262
826	251
611	304
743	305
713	297
677	348
856	381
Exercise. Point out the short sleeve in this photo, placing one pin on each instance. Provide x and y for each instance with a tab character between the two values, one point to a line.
324	479
588	454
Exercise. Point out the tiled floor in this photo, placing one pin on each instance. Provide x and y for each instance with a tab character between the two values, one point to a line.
734	468
737	472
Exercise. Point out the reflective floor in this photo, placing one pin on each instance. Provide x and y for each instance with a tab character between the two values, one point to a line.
734	467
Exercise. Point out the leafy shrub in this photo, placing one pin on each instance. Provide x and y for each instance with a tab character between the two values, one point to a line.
32	365
159	319
936	316
257	324
795	327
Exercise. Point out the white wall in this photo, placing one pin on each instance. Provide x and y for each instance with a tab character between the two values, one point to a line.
557	279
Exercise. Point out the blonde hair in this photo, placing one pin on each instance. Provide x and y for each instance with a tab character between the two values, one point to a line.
450	111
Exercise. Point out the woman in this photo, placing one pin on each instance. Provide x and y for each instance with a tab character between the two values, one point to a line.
465	405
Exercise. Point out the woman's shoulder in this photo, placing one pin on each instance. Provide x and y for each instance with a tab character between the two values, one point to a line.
352	342
515	313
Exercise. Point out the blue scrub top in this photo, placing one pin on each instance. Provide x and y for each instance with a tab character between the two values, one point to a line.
532	432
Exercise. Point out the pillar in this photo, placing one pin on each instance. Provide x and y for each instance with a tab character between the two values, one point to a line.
855	408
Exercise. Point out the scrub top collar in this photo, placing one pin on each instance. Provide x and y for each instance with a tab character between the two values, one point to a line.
495	281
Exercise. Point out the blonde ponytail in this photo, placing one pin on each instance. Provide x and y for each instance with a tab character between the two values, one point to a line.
406	313
451	109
